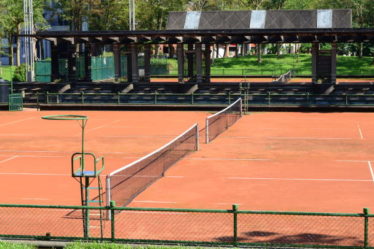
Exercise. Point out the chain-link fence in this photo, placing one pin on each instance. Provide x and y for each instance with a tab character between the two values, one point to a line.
225	227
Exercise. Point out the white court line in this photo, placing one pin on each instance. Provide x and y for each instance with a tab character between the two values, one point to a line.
34	151
311	138
32	174
14	122
297	179
371	170
138	136
174	176
227	159
360	131
8	159
225	204
352	161
296	138
35	199
102	126
164	202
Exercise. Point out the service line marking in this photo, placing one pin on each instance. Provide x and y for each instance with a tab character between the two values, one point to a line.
8	159
297	179
360	131
371	170
227	159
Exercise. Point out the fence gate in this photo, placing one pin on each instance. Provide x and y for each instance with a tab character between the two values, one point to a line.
15	102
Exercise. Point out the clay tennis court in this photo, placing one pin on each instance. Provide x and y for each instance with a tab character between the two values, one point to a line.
266	161
320	162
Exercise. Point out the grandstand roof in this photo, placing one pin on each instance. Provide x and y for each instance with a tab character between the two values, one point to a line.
215	36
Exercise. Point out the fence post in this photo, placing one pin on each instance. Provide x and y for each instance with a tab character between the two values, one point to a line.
269	98
346	99
112	220
235	224
82	97
47	97
192	98
366	227
229	98
118	98
155	98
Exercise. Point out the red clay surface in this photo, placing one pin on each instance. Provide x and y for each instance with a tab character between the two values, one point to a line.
267	161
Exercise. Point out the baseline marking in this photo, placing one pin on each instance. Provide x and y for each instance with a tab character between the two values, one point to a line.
371	170
298	179
14	122
360	131
164	202
102	126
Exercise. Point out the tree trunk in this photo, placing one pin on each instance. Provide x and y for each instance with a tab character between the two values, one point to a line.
11	50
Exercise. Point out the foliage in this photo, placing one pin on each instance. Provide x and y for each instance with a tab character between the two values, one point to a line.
7	245
20	73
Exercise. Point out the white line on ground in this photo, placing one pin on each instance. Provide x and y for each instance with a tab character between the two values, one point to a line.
225	204
227	159
8	159
166	202
173	176
371	170
360	131
139	136
35	199
34	151
16	121
102	126
297	179
311	138
32	174
352	161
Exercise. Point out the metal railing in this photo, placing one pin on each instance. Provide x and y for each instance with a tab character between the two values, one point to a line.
192	226
253	99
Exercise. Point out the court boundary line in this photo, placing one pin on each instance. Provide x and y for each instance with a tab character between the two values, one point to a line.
360	131
371	170
298	179
16	121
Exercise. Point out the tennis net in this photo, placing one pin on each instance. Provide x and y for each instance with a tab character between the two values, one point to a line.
124	184
222	120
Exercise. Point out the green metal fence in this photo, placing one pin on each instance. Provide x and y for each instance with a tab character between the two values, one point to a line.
192	226
267	99
15	102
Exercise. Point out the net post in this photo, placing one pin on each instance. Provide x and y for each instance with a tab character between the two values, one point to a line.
366	227
108	198
197	146
207	131
241	107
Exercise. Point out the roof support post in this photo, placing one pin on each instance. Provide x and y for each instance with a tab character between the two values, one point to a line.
199	62
333	63
72	62
180	56
190	61
315	48
147	63
134	63
208	62
117	61
87	62
55	72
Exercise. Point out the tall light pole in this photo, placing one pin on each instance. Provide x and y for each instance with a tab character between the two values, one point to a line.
132	15
29	41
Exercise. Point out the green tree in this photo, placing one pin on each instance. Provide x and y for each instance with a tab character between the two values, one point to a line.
11	22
